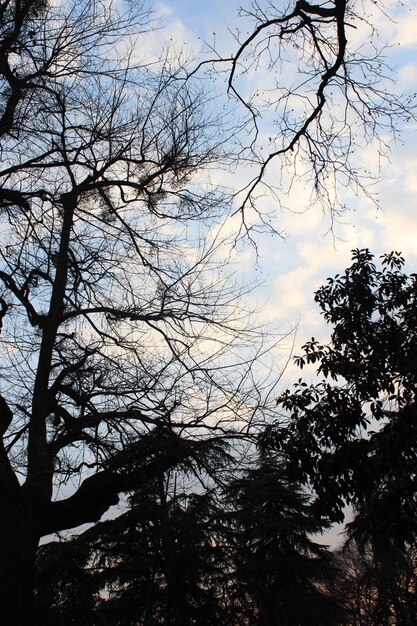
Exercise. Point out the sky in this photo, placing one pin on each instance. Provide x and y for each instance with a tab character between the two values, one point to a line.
293	267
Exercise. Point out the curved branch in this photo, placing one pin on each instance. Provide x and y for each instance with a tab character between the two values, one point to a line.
101	491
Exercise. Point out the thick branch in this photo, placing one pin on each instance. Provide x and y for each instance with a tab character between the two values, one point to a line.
93	498
40	467
99	492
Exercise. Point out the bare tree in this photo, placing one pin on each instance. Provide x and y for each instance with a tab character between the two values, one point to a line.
316	87
116	320
375	592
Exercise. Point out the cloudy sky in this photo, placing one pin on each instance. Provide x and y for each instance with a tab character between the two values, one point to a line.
293	267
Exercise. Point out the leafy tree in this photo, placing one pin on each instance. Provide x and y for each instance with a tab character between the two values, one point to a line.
282	572
352	436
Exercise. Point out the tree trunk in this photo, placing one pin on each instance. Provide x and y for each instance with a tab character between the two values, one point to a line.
18	544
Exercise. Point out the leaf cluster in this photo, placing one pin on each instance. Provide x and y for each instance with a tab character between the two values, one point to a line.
352	435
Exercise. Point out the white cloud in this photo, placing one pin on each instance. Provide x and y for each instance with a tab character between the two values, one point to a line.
295	268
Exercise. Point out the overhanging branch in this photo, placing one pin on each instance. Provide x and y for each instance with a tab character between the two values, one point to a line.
99	492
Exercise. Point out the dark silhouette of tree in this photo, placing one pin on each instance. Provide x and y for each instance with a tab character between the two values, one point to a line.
282	574
352	436
321	93
164	561
66	593
360	585
355	585
118	329
241	557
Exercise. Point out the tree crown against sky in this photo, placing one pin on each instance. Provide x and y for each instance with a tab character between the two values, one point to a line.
122	333
115	314
122	342
351	436
316	87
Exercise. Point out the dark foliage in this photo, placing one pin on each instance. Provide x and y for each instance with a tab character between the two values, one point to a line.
283	573
161	562
194	559
352	437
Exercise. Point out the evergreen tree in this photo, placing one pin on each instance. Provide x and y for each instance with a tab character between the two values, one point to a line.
160	563
278	565
353	436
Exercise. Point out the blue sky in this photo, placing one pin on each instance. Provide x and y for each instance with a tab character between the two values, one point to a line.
294	267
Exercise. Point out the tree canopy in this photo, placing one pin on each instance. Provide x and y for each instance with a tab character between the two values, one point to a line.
241	554
126	349
351	437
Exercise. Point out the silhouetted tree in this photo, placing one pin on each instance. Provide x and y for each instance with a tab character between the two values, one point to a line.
183	558
353	436
361	586
115	320
281	572
164	561
355	584
65	591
